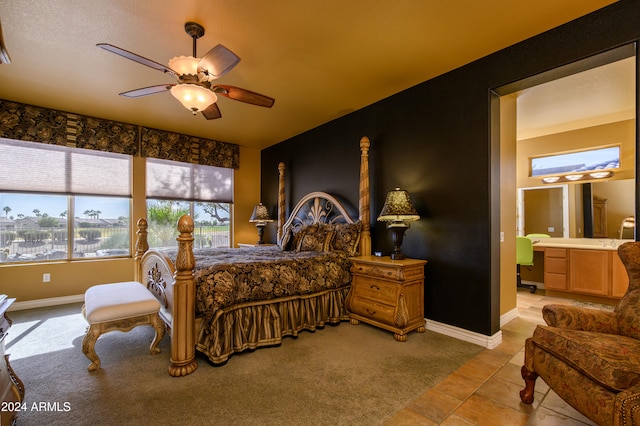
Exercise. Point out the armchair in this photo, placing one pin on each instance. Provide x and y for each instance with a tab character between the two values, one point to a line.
590	357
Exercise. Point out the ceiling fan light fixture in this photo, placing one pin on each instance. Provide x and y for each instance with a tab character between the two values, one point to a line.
193	97
184	65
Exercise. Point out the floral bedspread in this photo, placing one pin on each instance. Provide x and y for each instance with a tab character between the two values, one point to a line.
226	276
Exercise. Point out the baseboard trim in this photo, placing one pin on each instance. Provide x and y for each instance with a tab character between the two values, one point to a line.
511	315
43	303
489	342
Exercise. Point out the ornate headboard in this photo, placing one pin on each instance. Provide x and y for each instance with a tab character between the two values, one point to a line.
316	207
317	210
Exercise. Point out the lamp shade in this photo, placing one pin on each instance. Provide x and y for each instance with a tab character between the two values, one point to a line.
260	214
194	98
398	207
184	65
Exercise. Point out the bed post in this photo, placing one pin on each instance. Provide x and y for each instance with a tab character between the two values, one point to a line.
183	342
281	201
142	245
364	200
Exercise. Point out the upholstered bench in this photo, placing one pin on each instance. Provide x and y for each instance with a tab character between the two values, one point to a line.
119	306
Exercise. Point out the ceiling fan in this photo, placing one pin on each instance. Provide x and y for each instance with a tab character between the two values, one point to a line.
195	89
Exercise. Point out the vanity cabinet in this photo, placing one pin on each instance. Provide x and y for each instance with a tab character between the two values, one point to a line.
597	272
555	268
585	271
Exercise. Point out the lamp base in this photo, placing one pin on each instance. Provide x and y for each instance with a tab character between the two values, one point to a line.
397	235
397	256
260	229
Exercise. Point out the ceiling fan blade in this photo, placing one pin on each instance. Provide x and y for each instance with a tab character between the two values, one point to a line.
218	61
145	91
212	112
243	95
136	58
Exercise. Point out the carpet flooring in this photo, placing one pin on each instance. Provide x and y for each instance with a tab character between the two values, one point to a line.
338	375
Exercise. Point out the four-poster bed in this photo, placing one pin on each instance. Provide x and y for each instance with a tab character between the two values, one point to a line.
229	300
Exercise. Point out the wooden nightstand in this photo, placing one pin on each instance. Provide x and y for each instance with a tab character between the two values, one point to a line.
388	294
11	388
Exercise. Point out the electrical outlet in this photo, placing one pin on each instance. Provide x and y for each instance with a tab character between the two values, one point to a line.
46	278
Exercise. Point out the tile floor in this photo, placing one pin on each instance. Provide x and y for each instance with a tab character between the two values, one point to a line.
485	391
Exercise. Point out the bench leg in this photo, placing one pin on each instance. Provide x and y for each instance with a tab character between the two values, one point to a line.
88	346
124	325
159	326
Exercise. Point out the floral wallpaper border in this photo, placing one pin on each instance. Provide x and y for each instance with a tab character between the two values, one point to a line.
37	124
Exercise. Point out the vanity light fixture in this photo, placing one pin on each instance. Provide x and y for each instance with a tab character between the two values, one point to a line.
600	175
550	179
573	178
398	211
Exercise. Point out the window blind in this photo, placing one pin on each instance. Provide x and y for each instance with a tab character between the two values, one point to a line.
38	167
192	182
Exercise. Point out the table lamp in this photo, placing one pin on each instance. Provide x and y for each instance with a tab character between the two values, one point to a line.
398	211
260	217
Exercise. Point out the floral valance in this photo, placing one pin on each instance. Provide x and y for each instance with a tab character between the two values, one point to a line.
31	123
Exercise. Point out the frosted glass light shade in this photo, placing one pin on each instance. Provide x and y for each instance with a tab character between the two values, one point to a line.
193	97
573	177
184	65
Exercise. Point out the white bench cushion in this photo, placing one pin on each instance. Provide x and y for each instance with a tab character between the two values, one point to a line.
116	301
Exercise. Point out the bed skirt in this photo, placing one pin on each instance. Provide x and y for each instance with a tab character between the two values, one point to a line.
255	324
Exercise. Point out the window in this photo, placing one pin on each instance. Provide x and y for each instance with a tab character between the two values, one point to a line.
203	192
590	164
63	203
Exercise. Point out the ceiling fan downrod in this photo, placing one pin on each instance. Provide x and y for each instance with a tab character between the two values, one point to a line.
195	31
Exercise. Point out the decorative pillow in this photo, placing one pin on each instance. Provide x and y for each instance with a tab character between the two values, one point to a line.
347	237
286	241
291	239
316	237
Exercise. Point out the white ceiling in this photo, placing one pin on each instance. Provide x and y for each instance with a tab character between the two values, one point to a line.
319	59
598	96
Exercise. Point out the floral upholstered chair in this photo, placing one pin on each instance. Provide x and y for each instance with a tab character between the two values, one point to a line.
589	357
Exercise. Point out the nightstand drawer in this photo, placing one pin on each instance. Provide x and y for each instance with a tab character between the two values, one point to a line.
379	271
376	290
373	310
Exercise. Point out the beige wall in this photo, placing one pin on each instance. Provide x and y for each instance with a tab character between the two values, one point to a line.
620	133
508	203
619	190
24	282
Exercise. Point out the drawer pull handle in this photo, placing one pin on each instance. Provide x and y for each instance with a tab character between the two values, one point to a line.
375	287
370	312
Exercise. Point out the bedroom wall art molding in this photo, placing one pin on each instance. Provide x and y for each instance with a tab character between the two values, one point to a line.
489	342
37	124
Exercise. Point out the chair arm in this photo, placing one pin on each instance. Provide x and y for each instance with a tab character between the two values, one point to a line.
577	318
627	407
